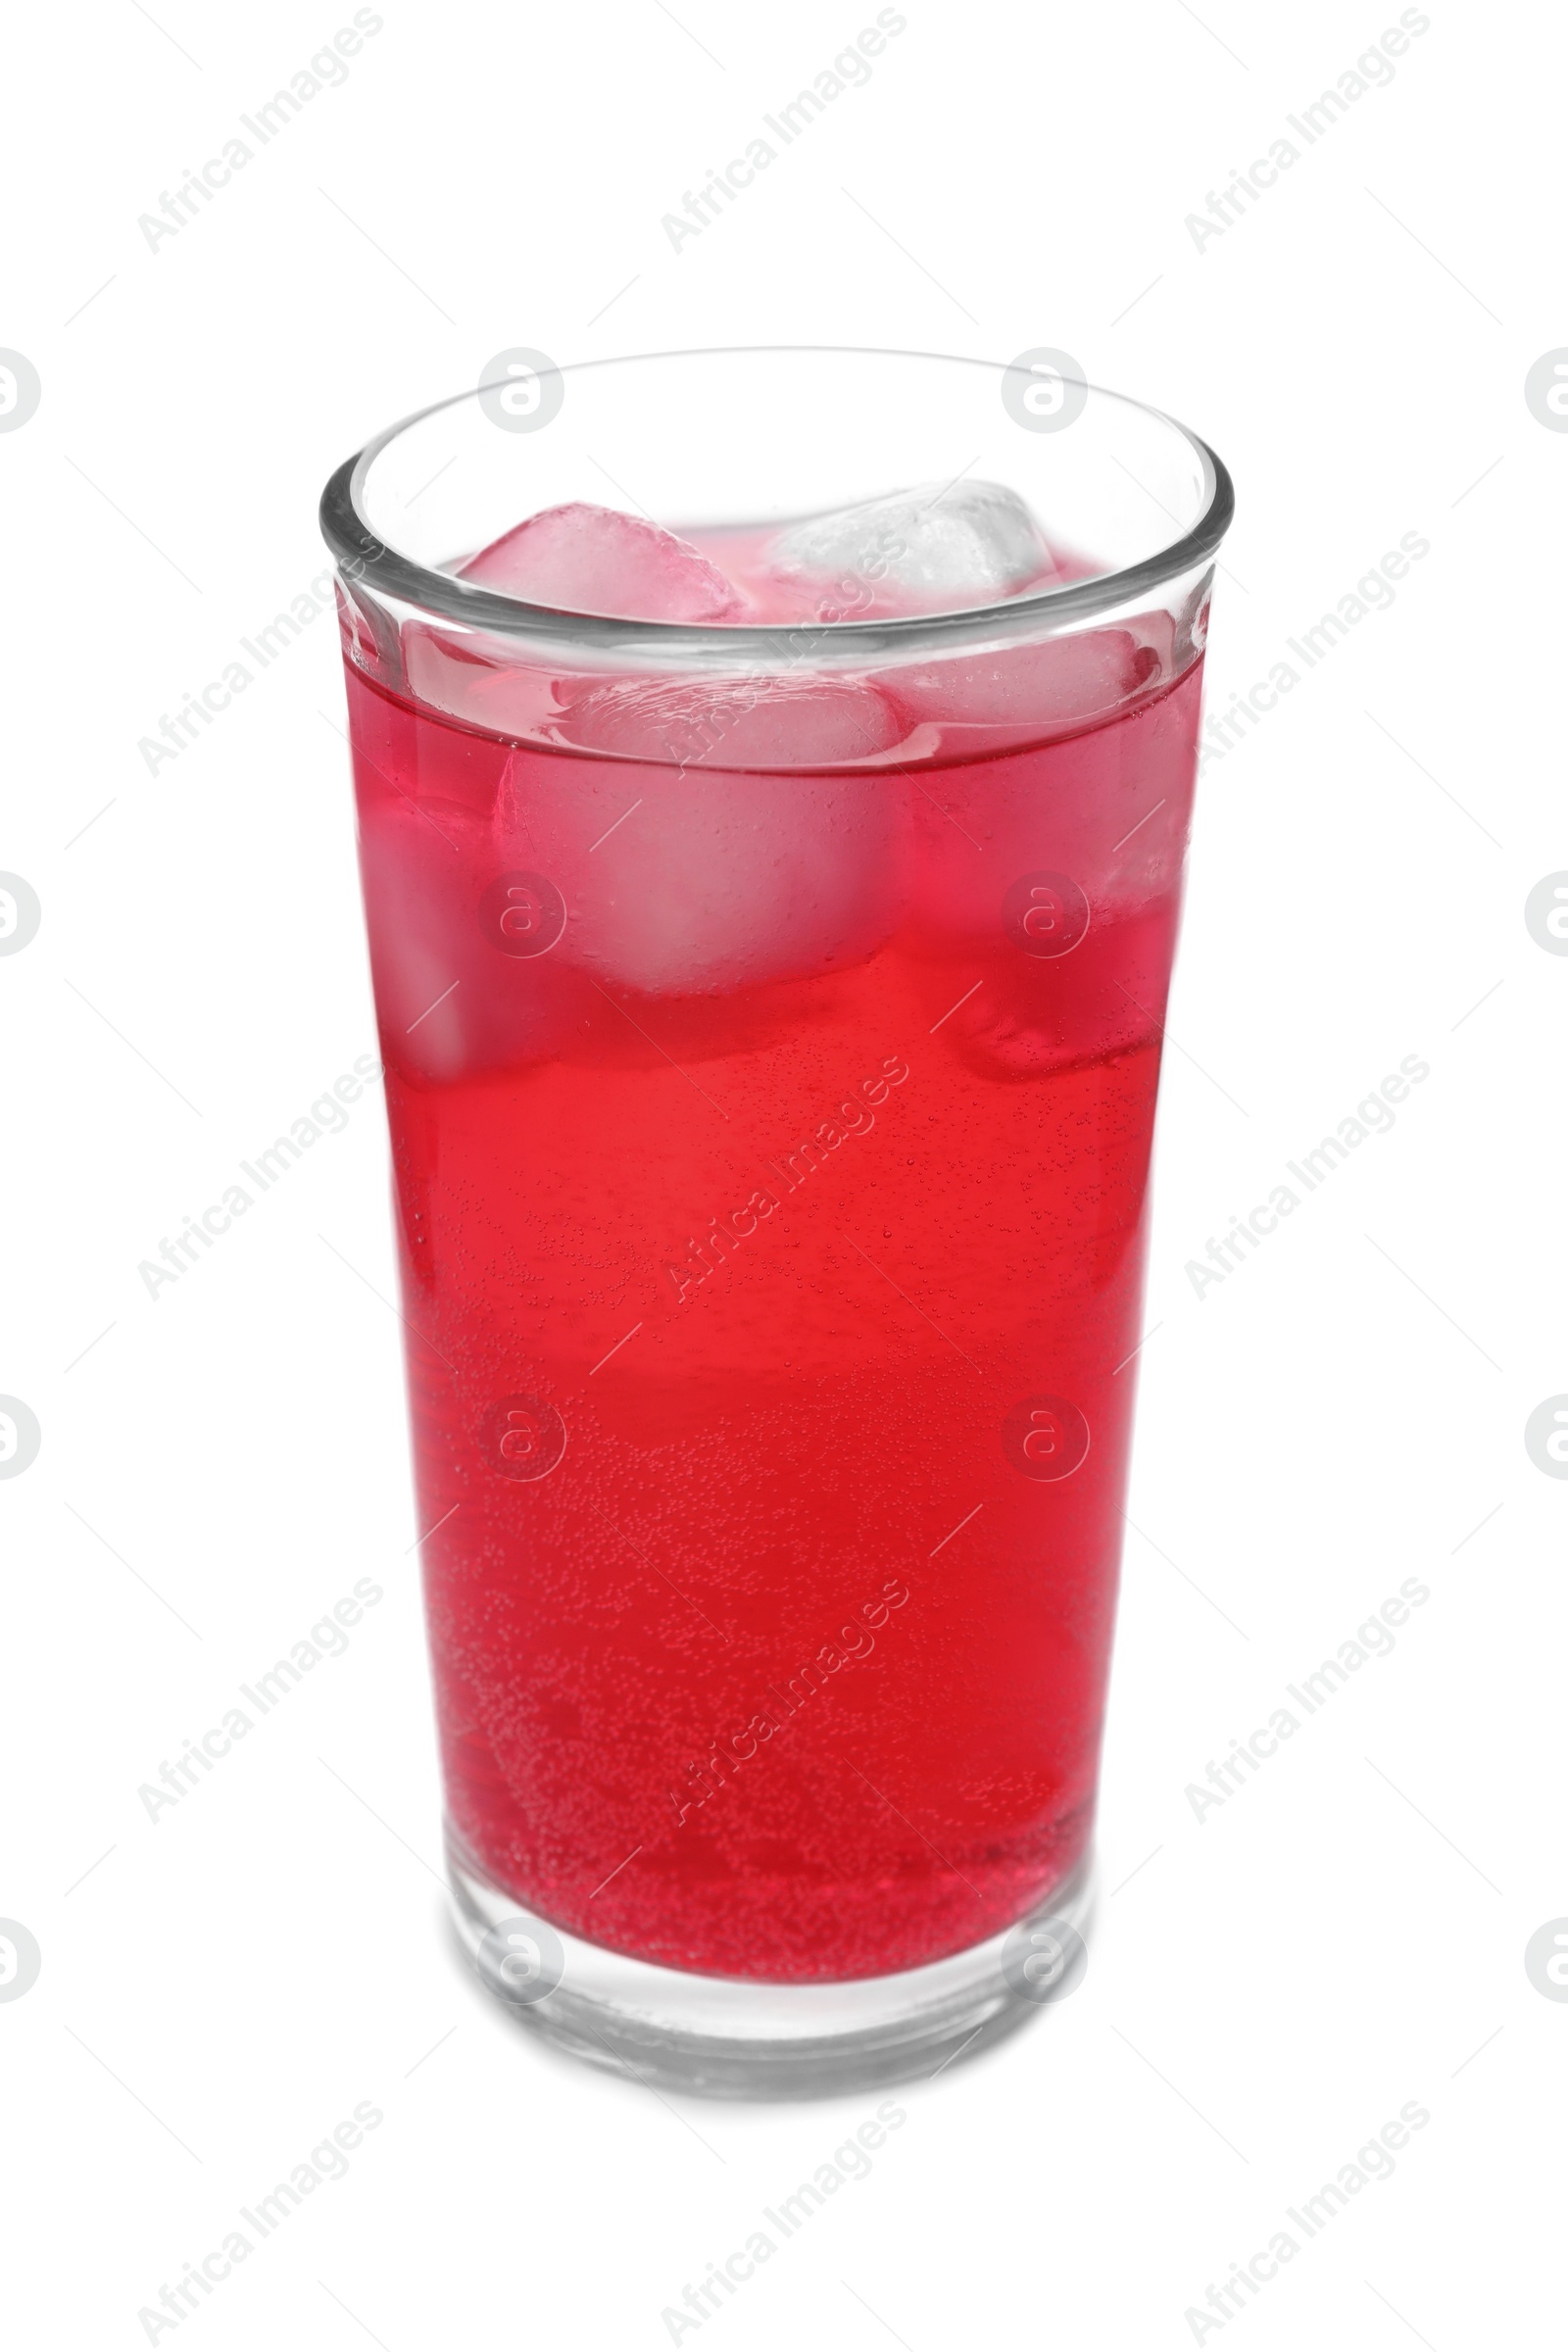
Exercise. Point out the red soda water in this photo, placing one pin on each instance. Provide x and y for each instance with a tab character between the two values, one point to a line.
771	1158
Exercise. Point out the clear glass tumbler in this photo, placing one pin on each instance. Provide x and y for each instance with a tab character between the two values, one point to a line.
771	999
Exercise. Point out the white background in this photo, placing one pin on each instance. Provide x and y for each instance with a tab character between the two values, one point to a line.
1268	1984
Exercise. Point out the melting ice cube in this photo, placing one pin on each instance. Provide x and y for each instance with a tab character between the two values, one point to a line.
742	722
1054	684
921	549
704	880
449	1002
586	558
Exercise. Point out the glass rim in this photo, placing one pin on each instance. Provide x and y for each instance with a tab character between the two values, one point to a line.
364	557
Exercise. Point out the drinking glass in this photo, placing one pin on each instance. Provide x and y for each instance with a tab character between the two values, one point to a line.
771	1013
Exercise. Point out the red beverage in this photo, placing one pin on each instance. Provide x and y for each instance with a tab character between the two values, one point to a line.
770	1307
771	910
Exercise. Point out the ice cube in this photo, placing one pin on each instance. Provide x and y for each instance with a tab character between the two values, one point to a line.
742	722
1037	1015
449	1002
1050	686
919	550
478	678
586	558
708	881
1105	808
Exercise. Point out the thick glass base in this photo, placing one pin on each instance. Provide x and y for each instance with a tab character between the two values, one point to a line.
731	2037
